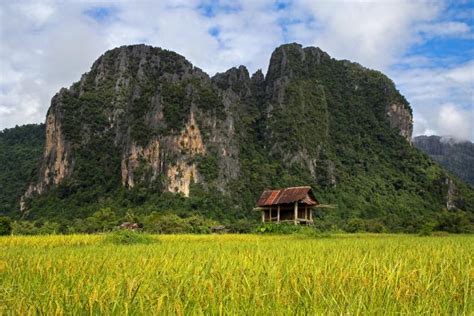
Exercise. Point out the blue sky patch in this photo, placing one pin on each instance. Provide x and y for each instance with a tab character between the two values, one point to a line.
214	31
445	51
281	4
100	14
210	8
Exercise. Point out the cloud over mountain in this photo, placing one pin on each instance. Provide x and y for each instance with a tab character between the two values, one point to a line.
424	46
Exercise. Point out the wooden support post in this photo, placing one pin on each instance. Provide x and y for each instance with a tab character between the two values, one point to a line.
270	219
311	215
296	213
278	214
306	212
263	216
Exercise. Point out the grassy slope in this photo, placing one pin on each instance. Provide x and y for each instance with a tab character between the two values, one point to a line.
235	274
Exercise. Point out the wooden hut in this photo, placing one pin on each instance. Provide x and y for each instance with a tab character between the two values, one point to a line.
291	205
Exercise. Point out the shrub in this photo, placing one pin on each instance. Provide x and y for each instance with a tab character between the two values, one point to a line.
286	229
199	224
174	224
101	221
241	226
454	222
24	228
439	234
128	237
5	226
426	229
277	229
375	226
355	225
169	224
48	228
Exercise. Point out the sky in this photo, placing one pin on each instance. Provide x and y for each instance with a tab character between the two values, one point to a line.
425	47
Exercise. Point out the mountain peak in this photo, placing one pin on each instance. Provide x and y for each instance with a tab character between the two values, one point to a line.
292	59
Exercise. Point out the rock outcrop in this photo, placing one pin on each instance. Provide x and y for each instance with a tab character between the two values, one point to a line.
137	155
148	105
451	194
400	119
57	162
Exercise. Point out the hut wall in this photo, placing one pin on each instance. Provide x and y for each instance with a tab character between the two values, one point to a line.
286	215
267	215
287	212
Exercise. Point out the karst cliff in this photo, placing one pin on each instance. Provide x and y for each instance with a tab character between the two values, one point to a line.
145	117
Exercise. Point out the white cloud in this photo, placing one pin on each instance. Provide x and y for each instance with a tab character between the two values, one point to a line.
444	29
37	12
455	122
442	99
45	45
463	74
374	34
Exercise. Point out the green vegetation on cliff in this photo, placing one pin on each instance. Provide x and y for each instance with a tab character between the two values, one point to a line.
312	120
20	151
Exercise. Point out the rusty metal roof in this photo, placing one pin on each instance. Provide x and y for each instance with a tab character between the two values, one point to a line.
288	195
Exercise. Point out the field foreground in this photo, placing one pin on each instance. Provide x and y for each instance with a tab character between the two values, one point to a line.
237	274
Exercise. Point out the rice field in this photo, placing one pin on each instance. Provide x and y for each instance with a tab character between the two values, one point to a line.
237	274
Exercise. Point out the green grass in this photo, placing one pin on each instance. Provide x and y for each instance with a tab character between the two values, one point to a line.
237	274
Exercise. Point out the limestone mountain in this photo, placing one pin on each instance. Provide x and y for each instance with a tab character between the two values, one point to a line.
144	128
456	156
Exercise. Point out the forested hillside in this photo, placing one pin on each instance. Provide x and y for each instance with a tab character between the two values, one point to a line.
146	135
20	152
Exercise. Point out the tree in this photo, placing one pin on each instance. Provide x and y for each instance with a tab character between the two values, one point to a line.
102	220
454	222
5	226
355	225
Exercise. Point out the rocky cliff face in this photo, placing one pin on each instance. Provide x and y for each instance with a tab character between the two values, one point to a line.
153	157
456	156
147	118
57	163
401	119
149	105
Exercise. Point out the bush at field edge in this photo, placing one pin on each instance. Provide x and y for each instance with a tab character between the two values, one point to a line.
128	237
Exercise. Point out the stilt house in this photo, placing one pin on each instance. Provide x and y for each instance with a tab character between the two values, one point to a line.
291	205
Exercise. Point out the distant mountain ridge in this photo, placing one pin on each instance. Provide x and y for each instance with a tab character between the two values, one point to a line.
456	156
